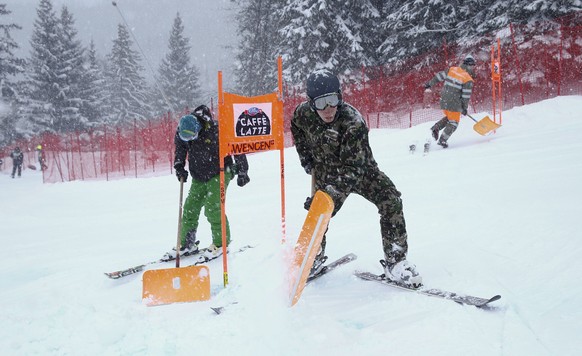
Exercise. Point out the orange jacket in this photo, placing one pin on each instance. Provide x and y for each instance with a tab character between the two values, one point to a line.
457	89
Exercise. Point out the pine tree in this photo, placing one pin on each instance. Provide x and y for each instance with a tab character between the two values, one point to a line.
258	24
415	27
128	92
324	34
179	80
92	89
71	76
10	67
44	67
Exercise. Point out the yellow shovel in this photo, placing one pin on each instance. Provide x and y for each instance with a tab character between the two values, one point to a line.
175	285
484	126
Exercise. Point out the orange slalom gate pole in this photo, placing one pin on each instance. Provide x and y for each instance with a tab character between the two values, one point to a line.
496	81
222	188
282	156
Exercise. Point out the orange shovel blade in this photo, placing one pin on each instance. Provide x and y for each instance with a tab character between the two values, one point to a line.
309	242
485	126
176	285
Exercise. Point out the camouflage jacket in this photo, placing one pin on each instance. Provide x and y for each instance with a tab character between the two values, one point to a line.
457	89
339	151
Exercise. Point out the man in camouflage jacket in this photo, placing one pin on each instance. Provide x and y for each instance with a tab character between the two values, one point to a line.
455	97
332	143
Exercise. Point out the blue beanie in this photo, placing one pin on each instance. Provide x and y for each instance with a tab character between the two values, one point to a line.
189	128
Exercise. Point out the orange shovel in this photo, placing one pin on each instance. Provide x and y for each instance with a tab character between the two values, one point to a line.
175	285
484	126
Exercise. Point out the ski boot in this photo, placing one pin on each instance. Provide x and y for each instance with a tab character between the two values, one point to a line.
443	143
402	272
318	264
189	248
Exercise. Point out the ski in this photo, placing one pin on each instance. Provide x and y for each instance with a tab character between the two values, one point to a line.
426	147
139	268
203	259
219	310
136	269
412	148
333	265
433	292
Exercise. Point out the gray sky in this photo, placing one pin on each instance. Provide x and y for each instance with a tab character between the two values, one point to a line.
209	24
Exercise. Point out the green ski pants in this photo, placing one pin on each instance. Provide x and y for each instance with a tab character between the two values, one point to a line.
207	195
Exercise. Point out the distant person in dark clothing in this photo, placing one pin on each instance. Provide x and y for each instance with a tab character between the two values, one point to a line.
17	159
41	159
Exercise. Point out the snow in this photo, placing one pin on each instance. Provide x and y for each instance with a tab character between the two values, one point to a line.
489	215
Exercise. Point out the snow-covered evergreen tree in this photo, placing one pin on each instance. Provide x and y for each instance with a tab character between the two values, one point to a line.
258	25
10	67
43	74
178	78
413	27
128	91
324	34
70	76
92	89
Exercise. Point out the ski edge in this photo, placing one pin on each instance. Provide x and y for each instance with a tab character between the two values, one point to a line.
202	259
333	265
464	299
136	269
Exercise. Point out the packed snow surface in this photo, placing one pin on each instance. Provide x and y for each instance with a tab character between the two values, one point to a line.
490	215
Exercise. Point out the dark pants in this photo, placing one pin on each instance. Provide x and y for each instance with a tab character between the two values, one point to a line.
16	167
377	188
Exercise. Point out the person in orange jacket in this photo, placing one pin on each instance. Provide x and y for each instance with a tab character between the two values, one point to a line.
455	97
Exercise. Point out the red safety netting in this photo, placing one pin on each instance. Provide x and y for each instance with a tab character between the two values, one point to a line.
538	62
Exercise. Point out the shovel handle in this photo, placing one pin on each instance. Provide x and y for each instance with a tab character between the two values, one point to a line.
472	118
178	240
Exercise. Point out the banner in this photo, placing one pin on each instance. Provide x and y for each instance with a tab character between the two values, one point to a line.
250	124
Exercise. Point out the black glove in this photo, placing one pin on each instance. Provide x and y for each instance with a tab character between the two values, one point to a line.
332	191
242	179
427	86
307	203
464	112
181	173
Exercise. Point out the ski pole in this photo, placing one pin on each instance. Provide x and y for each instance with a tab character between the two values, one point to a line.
178	242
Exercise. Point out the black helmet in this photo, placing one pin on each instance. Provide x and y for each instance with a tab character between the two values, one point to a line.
469	60
322	82
203	112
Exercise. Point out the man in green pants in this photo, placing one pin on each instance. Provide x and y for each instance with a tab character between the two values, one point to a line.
197	139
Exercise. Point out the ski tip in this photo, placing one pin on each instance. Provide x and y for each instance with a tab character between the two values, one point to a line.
494	298
352	256
217	310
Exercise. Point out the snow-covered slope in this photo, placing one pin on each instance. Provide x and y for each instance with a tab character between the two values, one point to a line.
489	215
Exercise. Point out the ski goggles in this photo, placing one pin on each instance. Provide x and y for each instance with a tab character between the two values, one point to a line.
187	135
326	100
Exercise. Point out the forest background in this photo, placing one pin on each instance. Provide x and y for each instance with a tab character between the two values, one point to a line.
64	84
